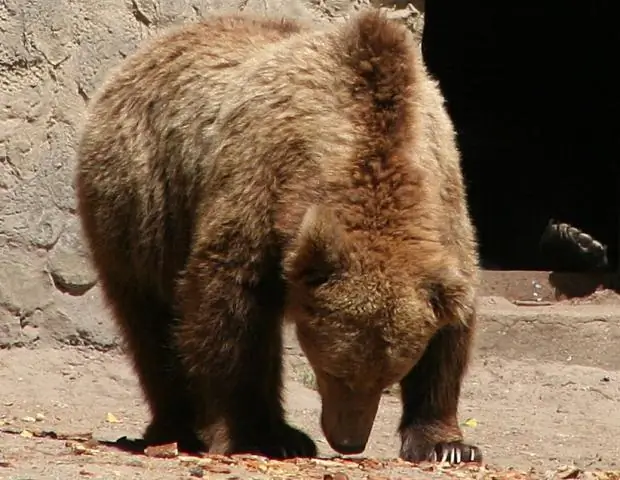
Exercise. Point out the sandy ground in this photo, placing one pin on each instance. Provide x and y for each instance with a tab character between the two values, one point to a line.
531	415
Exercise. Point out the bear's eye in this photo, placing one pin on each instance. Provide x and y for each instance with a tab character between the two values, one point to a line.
315	277
316	310
338	377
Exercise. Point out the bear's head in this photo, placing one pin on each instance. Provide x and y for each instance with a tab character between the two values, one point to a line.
365	308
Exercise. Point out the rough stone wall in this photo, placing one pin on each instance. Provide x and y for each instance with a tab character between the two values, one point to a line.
53	54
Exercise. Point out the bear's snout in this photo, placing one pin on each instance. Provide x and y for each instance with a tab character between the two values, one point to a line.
347	427
347	417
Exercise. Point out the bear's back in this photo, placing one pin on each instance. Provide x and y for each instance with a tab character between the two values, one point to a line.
141	157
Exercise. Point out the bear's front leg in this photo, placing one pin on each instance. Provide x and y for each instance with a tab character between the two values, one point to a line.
429	427
229	339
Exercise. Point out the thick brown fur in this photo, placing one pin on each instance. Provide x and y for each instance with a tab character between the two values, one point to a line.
244	170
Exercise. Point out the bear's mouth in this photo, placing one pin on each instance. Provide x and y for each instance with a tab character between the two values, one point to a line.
347	448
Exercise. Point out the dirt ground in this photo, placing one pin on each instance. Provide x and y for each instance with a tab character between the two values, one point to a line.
542	418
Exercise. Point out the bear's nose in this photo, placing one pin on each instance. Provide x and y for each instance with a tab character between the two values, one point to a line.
349	448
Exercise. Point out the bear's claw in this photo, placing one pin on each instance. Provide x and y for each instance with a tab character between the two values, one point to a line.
452	452
455	452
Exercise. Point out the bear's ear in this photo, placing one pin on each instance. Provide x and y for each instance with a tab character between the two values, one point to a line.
451	297
318	252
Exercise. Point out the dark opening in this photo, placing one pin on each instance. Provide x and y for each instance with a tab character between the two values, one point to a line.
530	90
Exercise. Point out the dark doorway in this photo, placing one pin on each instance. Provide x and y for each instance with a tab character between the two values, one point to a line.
530	88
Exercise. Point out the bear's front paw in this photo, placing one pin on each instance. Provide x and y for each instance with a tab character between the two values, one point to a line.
454	452
281	443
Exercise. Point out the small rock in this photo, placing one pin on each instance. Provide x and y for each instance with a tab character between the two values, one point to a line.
189	460
371	464
326	463
168	450
197	472
71	273
212	468
400	14
11	333
568	472
79	448
28	419
213	457
336	476
25	284
31	332
82	450
39	417
69	262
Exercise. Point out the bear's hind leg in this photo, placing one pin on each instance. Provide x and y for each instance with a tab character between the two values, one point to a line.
231	341
146	322
430	393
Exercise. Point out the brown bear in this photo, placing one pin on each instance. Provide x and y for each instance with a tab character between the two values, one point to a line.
244	170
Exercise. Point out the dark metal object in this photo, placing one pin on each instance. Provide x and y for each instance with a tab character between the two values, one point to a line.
565	248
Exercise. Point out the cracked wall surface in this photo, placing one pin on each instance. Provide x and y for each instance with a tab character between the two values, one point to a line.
53	55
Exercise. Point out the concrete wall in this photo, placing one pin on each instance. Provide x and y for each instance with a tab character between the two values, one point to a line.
53	55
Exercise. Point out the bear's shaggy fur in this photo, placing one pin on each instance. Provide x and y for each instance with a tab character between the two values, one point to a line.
243	170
